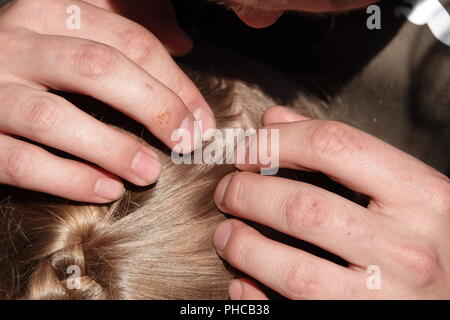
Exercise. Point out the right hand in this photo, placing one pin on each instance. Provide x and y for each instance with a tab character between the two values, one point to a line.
110	58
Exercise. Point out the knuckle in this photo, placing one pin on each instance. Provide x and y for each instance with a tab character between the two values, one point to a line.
442	196
427	265
16	165
304	210
300	281
333	139
94	61
423	263
138	45
40	115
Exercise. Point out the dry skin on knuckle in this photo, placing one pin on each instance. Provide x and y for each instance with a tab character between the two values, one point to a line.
94	61
304	210
417	262
17	165
138	45
300	280
39	115
333	139
424	265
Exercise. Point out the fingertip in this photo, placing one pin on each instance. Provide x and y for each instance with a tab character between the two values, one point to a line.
108	189
235	290
222	235
279	114
245	289
146	167
205	117
219	194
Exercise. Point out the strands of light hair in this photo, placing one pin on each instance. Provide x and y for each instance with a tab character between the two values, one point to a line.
154	243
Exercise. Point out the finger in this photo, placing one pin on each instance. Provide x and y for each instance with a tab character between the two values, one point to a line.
302	211
131	39
30	167
100	71
244	289
158	16
352	157
51	120
279	114
293	273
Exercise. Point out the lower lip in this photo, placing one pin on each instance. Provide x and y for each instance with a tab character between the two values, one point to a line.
256	18
264	17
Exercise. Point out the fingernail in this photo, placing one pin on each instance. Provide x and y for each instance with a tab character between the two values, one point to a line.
292	116
206	118
235	290
282	115
109	189
222	235
191	127
222	188
146	167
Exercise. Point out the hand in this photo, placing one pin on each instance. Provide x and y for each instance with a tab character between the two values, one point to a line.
403	233
111	59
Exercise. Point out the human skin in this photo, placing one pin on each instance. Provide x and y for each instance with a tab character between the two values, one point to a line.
403	232
110	58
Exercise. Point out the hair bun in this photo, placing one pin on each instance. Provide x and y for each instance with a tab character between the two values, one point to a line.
63	276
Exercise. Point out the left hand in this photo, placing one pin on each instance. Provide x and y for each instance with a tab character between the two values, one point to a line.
404	232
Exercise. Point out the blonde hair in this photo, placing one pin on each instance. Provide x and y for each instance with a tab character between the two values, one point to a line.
154	243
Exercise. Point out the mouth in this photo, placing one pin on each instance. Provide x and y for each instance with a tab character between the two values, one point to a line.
255	17
264	13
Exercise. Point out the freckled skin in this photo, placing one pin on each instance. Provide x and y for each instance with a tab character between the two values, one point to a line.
162	118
